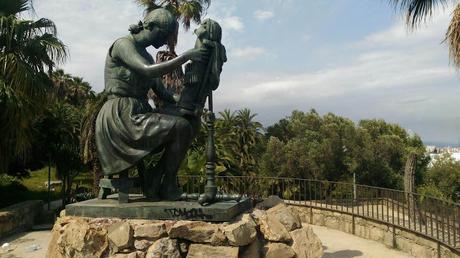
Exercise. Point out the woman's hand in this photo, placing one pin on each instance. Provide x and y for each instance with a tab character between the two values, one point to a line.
198	54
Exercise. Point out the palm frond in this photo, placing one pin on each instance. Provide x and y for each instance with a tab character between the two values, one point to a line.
453	37
418	11
190	11
28	51
88	137
13	7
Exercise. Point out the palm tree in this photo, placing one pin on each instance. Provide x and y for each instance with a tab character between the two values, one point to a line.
248	136
238	137
71	89
59	131
29	50
88	151
417	11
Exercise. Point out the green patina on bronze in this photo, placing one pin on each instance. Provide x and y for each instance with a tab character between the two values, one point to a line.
127	128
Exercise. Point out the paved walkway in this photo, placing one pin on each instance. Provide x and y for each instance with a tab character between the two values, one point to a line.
26	245
336	245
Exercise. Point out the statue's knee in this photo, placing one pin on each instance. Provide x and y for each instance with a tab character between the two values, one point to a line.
183	126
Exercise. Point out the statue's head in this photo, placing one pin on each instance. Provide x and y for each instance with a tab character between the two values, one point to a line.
210	30
158	25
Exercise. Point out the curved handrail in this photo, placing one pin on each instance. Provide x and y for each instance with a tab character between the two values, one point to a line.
425	215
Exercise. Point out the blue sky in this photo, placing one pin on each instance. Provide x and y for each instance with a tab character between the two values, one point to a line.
352	58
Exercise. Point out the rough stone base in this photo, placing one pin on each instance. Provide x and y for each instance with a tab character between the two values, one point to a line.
276	232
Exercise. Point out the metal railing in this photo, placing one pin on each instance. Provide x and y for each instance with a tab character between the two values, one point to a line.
434	218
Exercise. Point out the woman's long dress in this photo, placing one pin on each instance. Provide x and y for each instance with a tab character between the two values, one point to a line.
127	129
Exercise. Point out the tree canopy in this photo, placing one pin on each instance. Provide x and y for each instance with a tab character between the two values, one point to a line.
330	147
29	50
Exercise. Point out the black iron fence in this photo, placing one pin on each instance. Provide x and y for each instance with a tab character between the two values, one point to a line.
434	218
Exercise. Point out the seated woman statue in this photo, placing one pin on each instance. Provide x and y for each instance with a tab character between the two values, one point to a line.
127	128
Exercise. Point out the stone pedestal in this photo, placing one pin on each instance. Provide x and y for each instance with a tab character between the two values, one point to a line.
139	208
276	232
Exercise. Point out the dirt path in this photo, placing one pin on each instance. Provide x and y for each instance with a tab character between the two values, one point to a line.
338	244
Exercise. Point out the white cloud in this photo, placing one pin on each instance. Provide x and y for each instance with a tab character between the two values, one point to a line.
248	52
263	15
400	35
368	72
88	28
402	77
232	23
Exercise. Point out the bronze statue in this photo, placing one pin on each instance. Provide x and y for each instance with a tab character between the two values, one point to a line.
127	129
201	78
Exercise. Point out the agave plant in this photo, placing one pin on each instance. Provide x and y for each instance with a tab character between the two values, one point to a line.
29	50
417	12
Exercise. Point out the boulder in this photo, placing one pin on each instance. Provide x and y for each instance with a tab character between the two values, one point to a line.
164	248
73	237
288	216
258	214
142	244
195	231
306	244
129	255
273	230
278	250
53	247
103	222
120	235
251	251
206	251
271	201
151	231
242	232
183	248
219	237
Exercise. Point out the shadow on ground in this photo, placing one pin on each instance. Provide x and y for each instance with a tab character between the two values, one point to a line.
342	253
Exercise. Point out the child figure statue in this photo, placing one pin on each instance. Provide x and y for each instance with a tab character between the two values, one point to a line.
203	77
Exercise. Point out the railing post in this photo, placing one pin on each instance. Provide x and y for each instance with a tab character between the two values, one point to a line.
394	237
439	250
354	185
311	213
353	225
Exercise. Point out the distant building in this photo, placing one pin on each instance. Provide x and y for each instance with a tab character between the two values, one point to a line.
435	152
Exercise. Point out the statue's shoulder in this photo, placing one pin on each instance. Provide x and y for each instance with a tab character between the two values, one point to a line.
122	43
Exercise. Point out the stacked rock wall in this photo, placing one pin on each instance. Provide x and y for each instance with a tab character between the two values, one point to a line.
276	232
20	216
406	241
